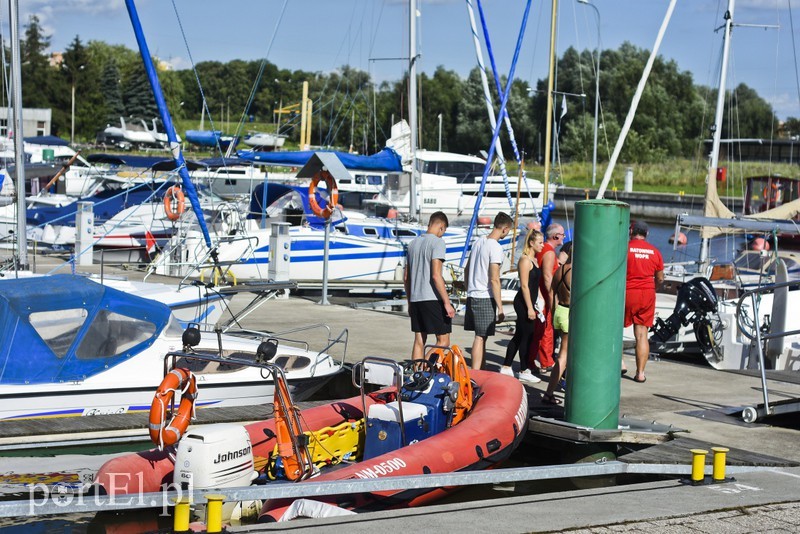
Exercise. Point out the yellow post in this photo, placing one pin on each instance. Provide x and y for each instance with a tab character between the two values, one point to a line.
718	474
214	512
303	117
698	464
309	114
181	515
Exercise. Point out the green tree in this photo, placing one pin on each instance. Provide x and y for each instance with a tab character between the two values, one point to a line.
112	92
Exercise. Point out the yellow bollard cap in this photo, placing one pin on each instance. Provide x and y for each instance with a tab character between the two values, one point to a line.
213	497
720	449
699	451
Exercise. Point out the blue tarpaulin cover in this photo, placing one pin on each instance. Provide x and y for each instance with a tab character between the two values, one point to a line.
46	140
386	160
26	358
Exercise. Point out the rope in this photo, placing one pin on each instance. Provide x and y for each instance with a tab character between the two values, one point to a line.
496	133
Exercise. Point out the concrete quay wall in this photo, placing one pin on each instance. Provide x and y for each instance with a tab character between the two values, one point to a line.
656	207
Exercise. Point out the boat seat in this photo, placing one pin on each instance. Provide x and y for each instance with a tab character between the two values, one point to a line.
383	427
391	411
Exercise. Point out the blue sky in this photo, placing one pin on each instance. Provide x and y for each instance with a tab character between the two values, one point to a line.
322	35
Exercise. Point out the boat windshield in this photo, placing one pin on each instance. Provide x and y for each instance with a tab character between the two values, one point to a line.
752	261
111	333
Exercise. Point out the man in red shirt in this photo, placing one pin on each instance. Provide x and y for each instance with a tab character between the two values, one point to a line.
543	338
645	274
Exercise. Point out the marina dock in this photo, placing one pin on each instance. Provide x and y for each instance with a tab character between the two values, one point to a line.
685	398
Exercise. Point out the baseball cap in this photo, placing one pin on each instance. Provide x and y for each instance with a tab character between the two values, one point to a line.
639	227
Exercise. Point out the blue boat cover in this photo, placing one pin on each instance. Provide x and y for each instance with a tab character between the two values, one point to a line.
208	138
76	316
386	160
141	162
51	140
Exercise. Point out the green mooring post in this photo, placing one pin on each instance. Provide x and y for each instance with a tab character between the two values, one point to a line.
600	255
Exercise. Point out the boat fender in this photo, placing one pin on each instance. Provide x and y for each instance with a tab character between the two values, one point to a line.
163	433
333	194
174	203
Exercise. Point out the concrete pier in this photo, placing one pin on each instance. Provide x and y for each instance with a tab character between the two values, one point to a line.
687	394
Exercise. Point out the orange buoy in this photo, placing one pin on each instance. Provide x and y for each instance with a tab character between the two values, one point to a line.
391	214
759	244
484	221
681	238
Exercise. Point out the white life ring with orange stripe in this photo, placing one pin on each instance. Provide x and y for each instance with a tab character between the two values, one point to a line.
333	194
164	433
174	203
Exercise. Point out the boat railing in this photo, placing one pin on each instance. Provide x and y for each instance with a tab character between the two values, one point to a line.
331	341
750	328
178	259
381	372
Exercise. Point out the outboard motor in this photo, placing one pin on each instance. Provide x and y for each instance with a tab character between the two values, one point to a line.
696	301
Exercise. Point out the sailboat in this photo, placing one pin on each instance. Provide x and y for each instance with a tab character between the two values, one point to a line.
725	343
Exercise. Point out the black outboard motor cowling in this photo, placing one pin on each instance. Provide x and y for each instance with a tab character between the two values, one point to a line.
696	300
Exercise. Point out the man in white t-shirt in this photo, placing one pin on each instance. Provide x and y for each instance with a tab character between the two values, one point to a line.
482	278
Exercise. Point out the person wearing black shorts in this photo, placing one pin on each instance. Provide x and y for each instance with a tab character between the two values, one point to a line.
428	302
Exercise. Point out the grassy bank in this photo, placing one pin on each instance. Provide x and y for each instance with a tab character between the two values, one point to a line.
667	177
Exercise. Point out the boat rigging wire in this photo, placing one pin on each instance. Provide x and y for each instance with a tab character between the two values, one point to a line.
496	133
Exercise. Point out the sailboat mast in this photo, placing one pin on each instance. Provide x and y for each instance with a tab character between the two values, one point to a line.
716	129
19	151
412	103
548	135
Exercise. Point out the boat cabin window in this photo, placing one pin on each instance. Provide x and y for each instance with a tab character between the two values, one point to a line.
370	231
403	232
111	333
293	362
58	328
464	171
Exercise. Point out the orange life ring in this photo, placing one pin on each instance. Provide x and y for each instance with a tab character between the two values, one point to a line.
174	203
164	433
333	194
772	194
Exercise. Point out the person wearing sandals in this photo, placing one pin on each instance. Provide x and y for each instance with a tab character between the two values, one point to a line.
645	274
562	283
525	307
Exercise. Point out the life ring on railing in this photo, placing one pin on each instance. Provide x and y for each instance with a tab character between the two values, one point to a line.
174	203
164	433
772	194
333	194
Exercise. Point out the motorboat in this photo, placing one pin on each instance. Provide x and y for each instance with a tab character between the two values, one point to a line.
209	138
436	416
75	347
451	182
136	134
270	141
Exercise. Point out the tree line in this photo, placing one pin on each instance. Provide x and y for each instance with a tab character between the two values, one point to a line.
351	110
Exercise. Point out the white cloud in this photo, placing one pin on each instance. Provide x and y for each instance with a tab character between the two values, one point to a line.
49	12
785	105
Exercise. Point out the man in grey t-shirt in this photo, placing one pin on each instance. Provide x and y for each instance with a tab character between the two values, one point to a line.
428	302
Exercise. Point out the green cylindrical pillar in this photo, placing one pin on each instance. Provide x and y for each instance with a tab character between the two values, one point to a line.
600	255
